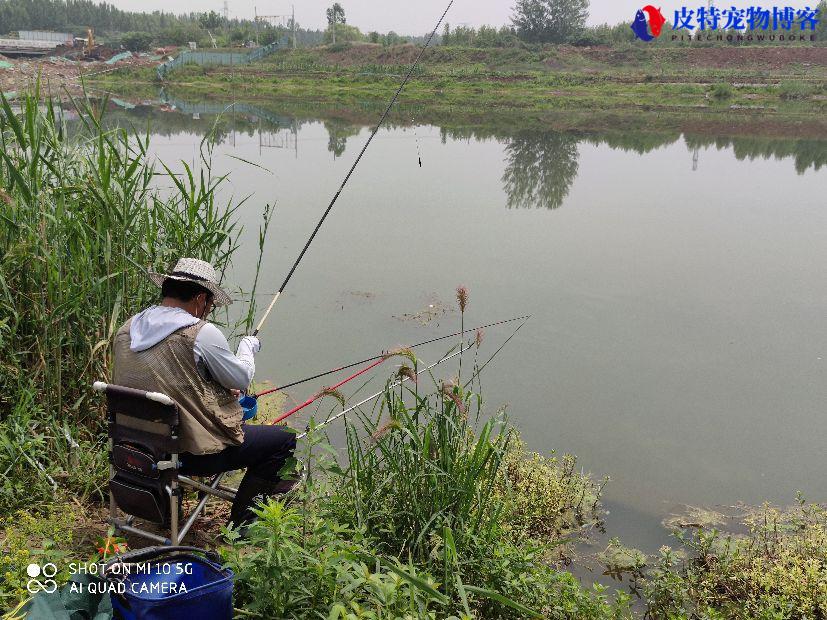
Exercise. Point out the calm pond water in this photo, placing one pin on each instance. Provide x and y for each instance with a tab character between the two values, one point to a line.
677	285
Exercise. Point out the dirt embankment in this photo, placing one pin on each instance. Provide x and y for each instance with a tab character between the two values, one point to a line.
767	57
56	73
755	58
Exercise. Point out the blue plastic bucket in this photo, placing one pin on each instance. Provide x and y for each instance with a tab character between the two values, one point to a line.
183	586
249	405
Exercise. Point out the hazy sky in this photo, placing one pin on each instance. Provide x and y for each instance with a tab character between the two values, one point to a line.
419	16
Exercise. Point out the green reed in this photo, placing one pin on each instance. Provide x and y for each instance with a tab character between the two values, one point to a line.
84	214
429	465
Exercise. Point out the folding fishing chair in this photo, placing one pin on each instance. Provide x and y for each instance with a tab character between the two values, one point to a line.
144	477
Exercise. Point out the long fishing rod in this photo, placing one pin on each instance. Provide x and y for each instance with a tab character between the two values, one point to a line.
383	356
391	386
315	397
350	172
462	349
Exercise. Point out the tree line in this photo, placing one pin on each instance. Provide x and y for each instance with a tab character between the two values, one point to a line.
533	22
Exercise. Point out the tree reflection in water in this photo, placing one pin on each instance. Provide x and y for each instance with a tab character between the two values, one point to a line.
540	169
338	132
540	165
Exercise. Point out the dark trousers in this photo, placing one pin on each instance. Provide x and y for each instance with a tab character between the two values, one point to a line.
263	453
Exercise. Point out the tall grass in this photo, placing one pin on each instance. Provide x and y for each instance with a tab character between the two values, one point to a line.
426	468
82	219
427	493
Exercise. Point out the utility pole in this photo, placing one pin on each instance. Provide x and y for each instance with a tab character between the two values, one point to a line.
278	21
226	19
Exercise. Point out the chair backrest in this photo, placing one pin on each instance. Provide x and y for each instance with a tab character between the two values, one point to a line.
149	419
143	433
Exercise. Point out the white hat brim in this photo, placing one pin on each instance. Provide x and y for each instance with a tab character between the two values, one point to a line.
220	297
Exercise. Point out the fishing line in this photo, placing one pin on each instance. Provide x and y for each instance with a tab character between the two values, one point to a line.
350	172
384	355
479	370
397	383
416	139
388	387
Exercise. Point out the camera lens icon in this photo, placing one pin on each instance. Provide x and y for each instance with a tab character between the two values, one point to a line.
48	571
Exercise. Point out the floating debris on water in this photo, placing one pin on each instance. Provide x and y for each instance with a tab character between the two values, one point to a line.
697	517
434	310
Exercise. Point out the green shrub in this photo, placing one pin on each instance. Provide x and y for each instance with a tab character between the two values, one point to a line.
301	566
777	570
795	90
442	485
544	497
425	467
28	539
137	41
336	48
721	91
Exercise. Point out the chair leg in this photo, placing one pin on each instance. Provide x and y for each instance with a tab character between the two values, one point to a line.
175	498
200	507
113	507
173	517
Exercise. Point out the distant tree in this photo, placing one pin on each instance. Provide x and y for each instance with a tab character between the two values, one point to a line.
373	37
181	33
485	36
391	39
343	33
137	41
549	21
821	27
335	15
446	34
338	132
211	20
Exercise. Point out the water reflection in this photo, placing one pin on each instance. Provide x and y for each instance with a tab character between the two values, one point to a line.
540	165
338	133
540	169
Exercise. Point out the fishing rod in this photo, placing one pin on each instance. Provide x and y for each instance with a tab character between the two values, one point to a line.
350	172
315	397
463	348
388	387
383	356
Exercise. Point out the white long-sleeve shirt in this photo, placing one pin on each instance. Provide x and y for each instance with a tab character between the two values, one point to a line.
211	348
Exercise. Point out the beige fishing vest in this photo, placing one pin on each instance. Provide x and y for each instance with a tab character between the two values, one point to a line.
210	416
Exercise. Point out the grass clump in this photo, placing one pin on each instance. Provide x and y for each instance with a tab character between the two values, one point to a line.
721	91
795	89
777	569
297	565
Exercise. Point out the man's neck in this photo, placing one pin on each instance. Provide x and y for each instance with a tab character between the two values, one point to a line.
186	306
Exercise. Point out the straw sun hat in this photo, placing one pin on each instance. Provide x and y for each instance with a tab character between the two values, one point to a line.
198	271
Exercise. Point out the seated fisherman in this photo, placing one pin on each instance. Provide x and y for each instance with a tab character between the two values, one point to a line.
171	348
